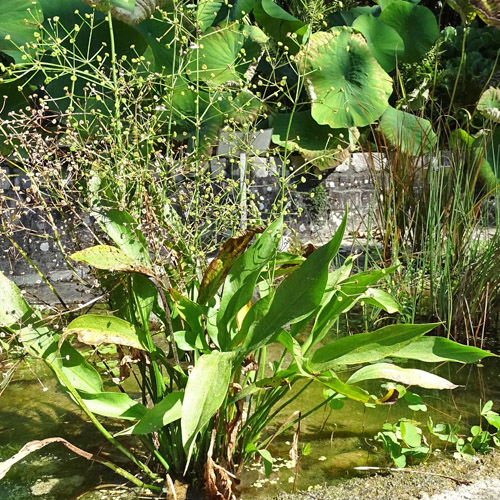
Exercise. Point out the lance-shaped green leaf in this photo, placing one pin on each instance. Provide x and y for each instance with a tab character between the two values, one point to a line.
114	405
438	349
298	296
415	24
240	282
407	132
110	259
347	86
366	347
121	227
40	341
219	268
489	104
19	21
384	42
94	329
344	297
379	298
407	376
205	392
331	381
320	145
168	410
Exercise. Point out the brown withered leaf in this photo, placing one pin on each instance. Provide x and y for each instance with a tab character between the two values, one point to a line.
218	269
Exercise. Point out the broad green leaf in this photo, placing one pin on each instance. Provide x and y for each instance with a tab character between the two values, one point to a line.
121	227
241	280
438	349
14	310
407	132
379	298
489	104
110	259
298	295
205	392
206	13
320	145
347	86
94	329
407	376
124	4
366	347
114	404
220	266
190	340
168	410
267	459
415	24
343	298
241	8
222	55
352	392
190	312
41	342
19	21
384	42
81	374
279	24
411	434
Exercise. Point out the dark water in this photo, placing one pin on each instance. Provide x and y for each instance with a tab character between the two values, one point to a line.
33	407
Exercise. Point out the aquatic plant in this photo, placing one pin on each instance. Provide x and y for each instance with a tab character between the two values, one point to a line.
208	394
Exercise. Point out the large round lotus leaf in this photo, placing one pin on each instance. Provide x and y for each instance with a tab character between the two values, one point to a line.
415	24
223	55
320	145
489	104
384	42
347	86
406	132
19	20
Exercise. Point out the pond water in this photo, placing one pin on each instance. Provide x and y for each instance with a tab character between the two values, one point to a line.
33	407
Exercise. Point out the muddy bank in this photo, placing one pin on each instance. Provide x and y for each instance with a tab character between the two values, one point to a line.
419	483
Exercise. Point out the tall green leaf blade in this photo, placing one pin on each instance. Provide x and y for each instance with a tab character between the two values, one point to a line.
298	295
407	376
439	349
241	280
205	392
366	347
168	410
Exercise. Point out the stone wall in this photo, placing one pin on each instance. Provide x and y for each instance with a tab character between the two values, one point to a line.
322	205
